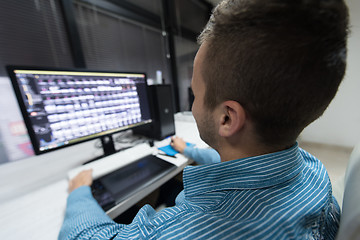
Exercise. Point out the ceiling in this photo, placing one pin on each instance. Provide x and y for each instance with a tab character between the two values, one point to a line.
213	2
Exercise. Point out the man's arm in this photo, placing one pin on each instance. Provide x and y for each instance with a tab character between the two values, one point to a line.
84	218
200	156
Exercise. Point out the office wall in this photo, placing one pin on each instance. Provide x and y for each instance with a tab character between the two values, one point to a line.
340	124
185	54
111	41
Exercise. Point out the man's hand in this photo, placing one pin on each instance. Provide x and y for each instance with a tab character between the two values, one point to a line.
178	144
84	178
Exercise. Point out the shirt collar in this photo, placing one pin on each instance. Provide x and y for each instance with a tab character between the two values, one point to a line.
245	173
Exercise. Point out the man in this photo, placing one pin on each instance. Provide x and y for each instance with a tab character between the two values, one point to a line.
265	70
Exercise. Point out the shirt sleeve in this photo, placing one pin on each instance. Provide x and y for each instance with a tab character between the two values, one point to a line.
332	220
85	219
202	155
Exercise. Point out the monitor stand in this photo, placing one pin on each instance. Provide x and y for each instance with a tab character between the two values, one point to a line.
108	146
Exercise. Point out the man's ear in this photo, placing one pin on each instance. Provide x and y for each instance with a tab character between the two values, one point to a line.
232	118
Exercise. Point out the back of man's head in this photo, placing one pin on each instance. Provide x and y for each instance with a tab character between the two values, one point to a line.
282	60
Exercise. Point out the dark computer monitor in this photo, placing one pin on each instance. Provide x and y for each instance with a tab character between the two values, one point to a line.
62	107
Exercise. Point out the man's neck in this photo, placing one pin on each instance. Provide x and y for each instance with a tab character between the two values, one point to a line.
230	152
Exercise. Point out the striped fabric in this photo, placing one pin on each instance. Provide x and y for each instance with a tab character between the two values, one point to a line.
283	195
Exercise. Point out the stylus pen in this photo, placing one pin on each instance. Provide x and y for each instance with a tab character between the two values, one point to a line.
164	154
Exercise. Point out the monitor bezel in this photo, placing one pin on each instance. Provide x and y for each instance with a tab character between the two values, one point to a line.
36	147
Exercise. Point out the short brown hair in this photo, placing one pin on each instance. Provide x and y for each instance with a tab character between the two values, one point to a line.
283	60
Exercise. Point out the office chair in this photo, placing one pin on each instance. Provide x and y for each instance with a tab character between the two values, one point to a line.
350	218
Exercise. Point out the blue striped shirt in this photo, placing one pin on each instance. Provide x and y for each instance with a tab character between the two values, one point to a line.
282	195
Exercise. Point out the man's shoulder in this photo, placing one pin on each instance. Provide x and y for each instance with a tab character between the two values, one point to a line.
310	160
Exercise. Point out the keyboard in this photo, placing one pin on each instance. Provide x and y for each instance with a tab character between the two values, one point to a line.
116	186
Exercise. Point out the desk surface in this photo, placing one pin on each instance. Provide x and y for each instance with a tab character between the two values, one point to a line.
39	214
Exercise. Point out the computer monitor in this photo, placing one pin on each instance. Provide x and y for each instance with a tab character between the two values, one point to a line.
62	107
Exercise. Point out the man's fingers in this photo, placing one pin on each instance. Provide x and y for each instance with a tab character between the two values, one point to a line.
84	178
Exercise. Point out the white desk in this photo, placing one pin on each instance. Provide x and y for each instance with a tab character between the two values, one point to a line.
39	214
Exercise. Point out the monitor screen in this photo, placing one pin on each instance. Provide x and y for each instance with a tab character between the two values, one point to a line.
63	107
